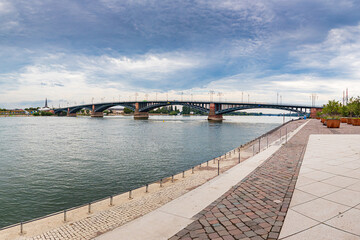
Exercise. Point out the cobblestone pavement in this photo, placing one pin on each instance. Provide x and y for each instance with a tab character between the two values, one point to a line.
256	207
95	224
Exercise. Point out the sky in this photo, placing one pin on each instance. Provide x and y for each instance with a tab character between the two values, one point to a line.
83	51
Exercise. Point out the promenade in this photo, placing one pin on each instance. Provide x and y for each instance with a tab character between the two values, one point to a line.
257	207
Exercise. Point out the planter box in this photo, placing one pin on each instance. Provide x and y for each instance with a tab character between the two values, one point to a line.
349	120
322	120
343	120
356	122
333	123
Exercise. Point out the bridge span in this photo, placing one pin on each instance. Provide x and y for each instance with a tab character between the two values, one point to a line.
215	110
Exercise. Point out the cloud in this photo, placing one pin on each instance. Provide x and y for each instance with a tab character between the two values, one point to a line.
339	53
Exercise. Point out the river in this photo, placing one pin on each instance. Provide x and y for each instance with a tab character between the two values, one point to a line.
48	164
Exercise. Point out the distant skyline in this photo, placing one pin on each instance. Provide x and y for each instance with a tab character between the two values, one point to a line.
76	51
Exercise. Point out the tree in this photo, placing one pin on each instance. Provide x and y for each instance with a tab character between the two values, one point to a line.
186	110
128	110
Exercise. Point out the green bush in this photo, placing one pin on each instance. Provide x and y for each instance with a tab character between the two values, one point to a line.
128	110
332	108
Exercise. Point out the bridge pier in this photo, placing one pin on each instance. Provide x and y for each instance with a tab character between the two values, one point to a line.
97	114
212	116
313	112
140	115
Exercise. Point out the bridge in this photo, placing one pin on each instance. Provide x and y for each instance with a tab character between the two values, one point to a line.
215	110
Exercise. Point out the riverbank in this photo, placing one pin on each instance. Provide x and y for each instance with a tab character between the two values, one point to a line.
125	210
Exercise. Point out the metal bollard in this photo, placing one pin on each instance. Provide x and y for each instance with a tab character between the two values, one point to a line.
89	208
111	200
253	150
218	167
259	144
239	157
172	178
183	174
130	197
207	163
65	215
200	165
160	182
147	188
192	170
21	228
214	160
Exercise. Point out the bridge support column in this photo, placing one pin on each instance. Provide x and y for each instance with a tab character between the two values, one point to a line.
70	114
212	116
97	114
140	115
313	112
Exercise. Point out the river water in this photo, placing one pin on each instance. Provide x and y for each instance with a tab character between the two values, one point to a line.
48	164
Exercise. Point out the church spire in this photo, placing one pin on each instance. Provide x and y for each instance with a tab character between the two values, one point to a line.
46	106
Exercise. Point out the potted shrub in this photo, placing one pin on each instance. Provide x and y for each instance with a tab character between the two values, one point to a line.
332	109
354	110
344	114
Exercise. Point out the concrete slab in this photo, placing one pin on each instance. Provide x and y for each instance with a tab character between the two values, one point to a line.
349	221
296	222
320	209
300	197
345	197
323	232
319	189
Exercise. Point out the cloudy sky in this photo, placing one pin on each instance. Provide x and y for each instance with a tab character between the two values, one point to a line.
72	51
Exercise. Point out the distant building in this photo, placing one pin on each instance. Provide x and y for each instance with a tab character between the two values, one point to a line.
45	108
13	112
116	110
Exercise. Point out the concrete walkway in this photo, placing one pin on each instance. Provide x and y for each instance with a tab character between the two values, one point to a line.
169	219
326	200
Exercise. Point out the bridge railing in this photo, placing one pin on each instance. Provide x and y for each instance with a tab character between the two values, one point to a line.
244	151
